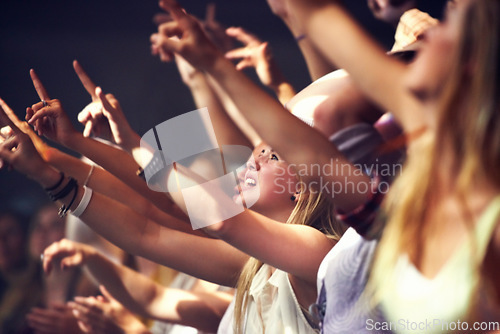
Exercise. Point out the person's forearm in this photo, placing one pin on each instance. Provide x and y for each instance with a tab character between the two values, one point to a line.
107	184
143	296
264	113
208	259
345	44
233	112
317	64
226	131
124	167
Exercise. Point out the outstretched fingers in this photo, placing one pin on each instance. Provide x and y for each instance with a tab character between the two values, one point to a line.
243	36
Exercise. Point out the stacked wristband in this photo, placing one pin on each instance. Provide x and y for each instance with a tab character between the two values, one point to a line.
72	185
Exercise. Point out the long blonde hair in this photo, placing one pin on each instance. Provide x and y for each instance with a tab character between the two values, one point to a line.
313	209
468	130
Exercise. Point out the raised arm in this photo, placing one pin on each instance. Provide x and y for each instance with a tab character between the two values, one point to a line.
204	96
106	122
50	120
208	259
317	64
262	111
138	293
344	43
295	249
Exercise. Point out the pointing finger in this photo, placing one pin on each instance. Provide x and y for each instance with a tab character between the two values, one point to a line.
4	117
87	83
40	89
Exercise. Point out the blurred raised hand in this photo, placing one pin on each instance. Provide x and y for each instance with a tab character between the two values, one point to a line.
56	319
66	254
185	36
105	315
16	148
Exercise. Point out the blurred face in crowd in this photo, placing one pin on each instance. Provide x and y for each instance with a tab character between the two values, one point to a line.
47	227
12	243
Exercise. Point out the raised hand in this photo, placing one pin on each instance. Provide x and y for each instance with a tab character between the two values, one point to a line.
91	116
183	36
56	319
256	54
104	116
16	148
104	315
48	116
67	254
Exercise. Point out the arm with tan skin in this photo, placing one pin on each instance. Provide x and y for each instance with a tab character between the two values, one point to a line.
107	123
52	122
316	63
299	251
344	43
253	103
204	96
206	92
208	259
100	180
138	293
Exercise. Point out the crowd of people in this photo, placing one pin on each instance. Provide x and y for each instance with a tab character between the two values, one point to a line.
370	202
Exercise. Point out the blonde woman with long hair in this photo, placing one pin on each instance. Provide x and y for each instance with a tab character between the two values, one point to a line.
286	255
437	258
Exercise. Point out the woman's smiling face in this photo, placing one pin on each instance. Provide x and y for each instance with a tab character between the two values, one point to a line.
267	181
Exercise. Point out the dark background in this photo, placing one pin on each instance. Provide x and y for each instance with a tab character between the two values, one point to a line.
110	38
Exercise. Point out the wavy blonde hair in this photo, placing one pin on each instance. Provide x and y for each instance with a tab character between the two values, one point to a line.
313	209
469	126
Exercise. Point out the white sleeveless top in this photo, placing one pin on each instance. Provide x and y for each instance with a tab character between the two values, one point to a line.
272	308
417	304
